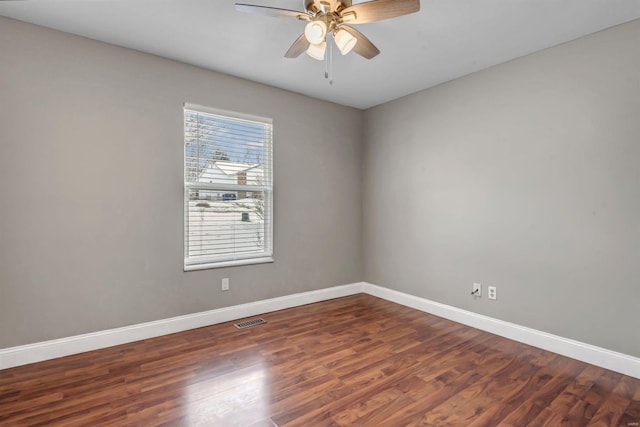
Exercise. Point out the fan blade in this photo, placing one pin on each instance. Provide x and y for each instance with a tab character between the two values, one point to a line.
363	46
271	11
300	45
378	10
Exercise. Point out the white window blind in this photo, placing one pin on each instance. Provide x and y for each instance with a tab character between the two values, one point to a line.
228	188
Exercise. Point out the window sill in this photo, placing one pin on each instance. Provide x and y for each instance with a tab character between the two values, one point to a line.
234	263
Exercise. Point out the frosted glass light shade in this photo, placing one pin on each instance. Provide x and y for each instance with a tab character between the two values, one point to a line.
315	32
316	51
345	41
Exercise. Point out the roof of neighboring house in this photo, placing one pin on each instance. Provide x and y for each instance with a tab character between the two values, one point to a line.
233	168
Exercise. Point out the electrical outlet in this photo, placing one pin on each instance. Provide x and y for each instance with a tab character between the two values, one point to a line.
476	290
493	292
225	284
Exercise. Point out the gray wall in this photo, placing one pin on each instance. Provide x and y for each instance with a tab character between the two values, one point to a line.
524	176
91	192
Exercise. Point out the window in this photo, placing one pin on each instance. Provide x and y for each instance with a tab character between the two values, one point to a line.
228	188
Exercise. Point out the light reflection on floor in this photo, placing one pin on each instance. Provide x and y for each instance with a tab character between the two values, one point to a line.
239	398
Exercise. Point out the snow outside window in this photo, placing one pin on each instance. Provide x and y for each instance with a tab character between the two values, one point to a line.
228	188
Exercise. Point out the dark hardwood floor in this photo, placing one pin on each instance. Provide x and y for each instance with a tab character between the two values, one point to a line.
357	360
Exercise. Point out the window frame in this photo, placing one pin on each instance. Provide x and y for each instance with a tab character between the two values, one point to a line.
219	261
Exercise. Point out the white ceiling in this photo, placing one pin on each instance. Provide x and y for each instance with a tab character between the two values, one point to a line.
445	40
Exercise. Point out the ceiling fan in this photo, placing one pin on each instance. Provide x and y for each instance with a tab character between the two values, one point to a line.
330	18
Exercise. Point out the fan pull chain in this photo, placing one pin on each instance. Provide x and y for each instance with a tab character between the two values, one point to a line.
326	61
328	65
331	62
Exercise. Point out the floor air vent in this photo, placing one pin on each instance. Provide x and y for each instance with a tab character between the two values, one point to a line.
249	323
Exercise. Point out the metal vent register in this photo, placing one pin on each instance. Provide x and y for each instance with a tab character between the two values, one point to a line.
249	323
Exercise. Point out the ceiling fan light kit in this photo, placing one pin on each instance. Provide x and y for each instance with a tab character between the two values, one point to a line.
344	41
328	17
315	32
316	51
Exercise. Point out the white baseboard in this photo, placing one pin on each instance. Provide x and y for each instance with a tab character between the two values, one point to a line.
37	352
588	353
